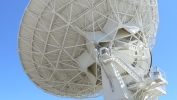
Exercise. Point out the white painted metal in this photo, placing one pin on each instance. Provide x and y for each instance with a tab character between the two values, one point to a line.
81	48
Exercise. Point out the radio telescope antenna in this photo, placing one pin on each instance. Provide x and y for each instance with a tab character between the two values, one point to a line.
86	48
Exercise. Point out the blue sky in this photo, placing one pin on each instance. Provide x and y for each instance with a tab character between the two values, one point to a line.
14	83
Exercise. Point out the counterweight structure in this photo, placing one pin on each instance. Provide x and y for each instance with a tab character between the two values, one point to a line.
86	48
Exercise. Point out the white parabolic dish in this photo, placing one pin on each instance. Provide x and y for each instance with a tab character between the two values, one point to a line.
59	40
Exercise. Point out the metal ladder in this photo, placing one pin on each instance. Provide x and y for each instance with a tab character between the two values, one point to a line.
128	68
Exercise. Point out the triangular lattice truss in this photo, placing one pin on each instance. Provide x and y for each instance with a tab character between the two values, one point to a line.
53	33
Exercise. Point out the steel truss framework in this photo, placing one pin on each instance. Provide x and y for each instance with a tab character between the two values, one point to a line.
53	33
